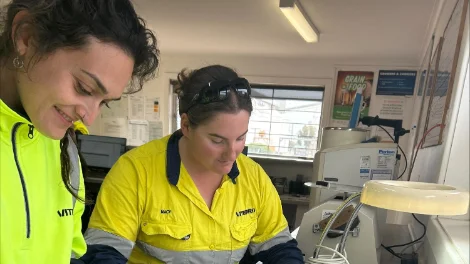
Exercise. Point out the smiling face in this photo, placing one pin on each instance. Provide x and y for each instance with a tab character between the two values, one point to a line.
215	145
70	85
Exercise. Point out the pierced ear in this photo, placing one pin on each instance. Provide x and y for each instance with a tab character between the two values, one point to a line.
21	33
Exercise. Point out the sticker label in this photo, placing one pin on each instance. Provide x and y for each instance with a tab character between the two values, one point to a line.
364	173
365	162
327	213
364	167
381	174
386	159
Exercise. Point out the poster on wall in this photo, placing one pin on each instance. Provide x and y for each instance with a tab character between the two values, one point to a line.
444	78
347	84
152	111
138	133
396	82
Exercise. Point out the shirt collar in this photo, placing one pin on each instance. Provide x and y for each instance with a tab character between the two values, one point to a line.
173	160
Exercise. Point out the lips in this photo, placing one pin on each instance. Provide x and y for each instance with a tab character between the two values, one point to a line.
64	115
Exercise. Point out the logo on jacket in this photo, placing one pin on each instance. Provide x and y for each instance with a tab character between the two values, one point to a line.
65	212
245	212
165	211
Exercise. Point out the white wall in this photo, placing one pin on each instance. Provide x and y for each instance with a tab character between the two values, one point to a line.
435	163
282	71
458	168
447	163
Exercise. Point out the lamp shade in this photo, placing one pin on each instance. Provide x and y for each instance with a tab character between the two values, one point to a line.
415	197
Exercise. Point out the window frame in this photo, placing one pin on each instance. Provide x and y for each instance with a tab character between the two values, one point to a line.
327	107
274	87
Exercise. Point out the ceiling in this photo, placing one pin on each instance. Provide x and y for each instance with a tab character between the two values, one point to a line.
352	30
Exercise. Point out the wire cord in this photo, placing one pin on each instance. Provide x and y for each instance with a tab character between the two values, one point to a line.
418	240
336	258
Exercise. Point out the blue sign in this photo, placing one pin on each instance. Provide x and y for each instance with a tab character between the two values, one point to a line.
396	82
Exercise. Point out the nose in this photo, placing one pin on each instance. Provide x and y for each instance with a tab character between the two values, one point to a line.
231	152
87	116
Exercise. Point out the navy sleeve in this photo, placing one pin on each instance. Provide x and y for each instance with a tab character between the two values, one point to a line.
285	253
101	254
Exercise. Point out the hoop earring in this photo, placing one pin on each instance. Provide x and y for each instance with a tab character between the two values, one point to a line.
18	63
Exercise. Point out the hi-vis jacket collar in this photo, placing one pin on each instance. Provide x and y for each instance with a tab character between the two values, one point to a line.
173	160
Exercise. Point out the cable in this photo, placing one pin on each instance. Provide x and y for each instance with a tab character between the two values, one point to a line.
407	247
333	219
404	155
416	240
342	243
336	258
389	248
391	251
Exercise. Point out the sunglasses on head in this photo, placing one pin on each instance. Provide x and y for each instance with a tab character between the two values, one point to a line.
218	91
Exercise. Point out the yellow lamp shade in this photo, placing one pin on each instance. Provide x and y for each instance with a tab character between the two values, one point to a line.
415	197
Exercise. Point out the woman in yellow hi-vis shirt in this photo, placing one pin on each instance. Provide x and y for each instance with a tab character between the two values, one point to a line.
60	61
191	197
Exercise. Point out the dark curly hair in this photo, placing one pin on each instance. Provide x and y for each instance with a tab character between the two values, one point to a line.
59	24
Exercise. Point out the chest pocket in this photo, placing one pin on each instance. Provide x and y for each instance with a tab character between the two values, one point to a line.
173	236
242	232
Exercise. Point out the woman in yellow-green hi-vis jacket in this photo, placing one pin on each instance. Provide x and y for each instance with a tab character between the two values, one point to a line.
60	61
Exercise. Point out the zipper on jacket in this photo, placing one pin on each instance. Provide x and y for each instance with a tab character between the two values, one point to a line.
23	183
31	131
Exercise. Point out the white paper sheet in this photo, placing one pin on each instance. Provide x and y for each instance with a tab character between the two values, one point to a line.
138	132
118	109
113	127
155	130
152	108
136	107
392	108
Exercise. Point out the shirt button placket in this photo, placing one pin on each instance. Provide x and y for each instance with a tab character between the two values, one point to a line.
213	239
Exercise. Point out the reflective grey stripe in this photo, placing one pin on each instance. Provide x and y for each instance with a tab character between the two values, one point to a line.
197	257
95	236
74	168
73	256
283	237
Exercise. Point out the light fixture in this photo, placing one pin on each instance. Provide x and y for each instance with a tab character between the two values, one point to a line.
298	18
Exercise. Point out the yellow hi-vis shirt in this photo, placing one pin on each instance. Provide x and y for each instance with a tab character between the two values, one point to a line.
150	210
40	221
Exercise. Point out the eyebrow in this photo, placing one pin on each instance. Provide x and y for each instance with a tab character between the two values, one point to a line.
97	81
222	137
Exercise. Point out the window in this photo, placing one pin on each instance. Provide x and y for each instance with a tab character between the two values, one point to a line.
285	121
174	105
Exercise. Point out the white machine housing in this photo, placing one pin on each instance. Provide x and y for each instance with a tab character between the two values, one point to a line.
363	247
353	165
344	160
